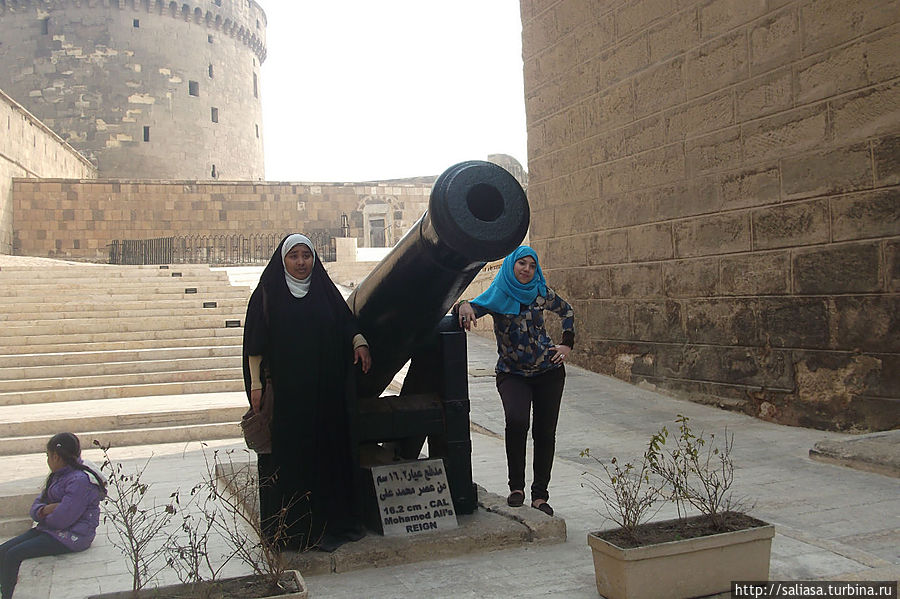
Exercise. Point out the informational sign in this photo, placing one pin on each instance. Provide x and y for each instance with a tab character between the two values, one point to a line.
413	497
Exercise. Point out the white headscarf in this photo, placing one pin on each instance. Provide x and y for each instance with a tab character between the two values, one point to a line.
298	287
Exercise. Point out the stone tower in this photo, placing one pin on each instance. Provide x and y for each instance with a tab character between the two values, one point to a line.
146	89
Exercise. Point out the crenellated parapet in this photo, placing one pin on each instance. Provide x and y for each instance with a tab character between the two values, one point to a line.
243	20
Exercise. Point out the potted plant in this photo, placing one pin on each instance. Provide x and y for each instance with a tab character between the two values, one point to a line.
691	555
213	506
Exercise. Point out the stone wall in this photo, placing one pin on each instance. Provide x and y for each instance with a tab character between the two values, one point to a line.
144	88
714	185
77	219
29	149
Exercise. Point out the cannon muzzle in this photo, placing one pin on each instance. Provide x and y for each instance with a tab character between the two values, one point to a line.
477	213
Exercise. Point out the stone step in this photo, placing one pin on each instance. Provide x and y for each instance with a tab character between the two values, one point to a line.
60	383
45	309
16	504
111	271
242	276
129	437
134	295
192	426
101	281
111	313
199	381
17	492
27	432
36	374
113	325
120	340
95	289
14	508
117	342
13	526
111	356
104	391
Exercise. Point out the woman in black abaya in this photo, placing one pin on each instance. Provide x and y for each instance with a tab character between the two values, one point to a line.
300	330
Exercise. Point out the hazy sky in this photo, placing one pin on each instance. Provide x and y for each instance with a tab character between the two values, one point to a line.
357	90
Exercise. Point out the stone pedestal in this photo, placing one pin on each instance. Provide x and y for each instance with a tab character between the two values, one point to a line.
345	249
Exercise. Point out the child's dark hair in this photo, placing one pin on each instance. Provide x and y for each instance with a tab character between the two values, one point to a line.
65	445
68	447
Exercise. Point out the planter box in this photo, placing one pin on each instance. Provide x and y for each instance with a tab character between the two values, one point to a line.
192	591
683	568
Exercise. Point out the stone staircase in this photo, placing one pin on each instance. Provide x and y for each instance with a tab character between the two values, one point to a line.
126	355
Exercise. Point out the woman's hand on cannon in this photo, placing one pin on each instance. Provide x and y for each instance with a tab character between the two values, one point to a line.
466	316
361	356
256	400
561	352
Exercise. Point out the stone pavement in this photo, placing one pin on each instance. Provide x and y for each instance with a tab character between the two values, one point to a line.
832	522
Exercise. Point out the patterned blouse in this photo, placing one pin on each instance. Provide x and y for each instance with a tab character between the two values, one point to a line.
523	345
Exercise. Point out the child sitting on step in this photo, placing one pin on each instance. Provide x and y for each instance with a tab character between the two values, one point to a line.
67	511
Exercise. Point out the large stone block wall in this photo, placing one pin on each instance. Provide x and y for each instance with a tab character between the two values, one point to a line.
29	149
714	185
78	219
134	85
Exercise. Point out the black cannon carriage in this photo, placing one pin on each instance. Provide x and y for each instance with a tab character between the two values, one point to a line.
477	213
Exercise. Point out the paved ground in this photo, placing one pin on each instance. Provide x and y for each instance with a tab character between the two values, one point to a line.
832	522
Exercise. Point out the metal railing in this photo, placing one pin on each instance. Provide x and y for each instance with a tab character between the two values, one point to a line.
215	250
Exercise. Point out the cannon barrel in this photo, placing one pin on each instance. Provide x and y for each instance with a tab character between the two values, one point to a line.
477	212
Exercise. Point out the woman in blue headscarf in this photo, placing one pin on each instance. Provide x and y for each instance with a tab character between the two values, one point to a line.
530	371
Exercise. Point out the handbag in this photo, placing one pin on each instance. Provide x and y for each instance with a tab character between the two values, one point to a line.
256	425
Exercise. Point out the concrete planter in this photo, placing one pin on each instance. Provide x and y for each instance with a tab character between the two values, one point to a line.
188	590
683	568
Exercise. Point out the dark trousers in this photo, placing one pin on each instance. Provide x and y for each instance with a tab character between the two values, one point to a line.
521	396
33	543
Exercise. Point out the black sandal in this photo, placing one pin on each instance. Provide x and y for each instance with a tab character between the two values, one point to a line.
515	499
544	507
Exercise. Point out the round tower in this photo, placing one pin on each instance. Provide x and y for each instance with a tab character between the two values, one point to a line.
147	89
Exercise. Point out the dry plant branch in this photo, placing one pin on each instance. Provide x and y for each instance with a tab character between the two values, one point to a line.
694	470
262	551
214	506
628	494
188	550
138	520
697	470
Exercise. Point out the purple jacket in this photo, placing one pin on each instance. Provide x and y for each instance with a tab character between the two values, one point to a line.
74	521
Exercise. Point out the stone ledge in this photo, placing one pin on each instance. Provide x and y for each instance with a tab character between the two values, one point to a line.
494	526
542	529
877	452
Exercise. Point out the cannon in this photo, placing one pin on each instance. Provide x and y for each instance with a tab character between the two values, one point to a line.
477	212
